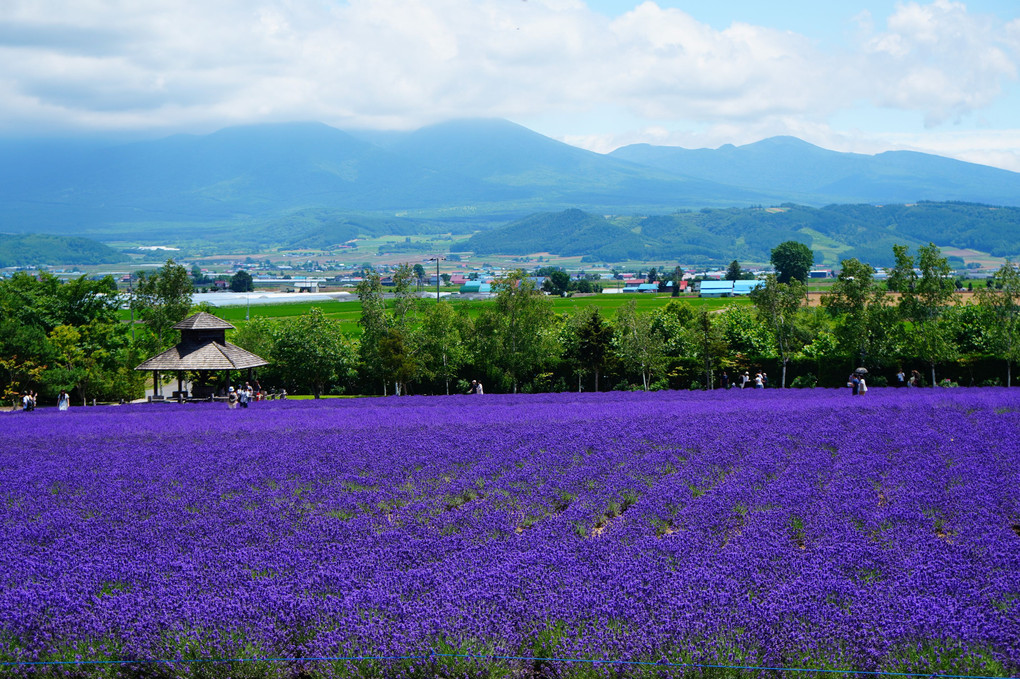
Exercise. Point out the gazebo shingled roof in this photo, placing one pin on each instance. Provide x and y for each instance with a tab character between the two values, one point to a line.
207	356
203	346
203	321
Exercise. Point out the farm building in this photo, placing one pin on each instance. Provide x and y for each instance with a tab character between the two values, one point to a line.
745	287
630	286
475	286
715	289
727	288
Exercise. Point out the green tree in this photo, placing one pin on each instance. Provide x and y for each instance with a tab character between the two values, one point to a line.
405	304
587	339
398	360
374	325
678	276
733	271
778	304
1002	300
792	261
710	342
197	277
313	352
636	345
242	282
258	336
924	293
746	335
515	333
440	341
673	325
557	282
81	301
65	335
864	323
419	275
161	299
78	364
16	376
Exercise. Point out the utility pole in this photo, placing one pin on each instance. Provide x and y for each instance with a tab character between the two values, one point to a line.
437	259
131	305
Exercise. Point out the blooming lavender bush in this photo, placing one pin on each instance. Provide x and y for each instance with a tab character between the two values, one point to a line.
803	529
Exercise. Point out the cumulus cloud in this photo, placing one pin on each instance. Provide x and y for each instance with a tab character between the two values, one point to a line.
940	59
186	64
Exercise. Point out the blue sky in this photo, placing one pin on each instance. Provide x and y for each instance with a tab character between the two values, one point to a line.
937	76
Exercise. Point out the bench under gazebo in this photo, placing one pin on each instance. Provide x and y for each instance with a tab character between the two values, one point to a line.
203	349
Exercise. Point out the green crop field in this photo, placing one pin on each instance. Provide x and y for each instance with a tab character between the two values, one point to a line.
349	311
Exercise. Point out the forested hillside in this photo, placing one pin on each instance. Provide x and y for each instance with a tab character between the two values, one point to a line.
867	232
31	249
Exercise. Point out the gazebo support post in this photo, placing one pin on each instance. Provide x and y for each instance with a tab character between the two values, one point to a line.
180	386
155	383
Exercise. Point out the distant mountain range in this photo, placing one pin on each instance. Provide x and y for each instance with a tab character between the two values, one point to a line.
307	182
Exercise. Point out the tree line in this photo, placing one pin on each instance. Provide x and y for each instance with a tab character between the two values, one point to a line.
517	343
67	335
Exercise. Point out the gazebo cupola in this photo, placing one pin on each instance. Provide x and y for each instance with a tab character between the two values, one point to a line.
203	348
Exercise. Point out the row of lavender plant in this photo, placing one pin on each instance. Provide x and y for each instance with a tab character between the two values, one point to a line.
803	529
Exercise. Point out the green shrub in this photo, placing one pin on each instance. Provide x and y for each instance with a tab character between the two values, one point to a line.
807	381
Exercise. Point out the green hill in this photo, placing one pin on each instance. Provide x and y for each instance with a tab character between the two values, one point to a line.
32	249
867	232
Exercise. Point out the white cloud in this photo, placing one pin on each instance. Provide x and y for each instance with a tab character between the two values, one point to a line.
939	59
167	66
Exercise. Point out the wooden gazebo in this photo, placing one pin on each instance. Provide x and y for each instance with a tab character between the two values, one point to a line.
203	348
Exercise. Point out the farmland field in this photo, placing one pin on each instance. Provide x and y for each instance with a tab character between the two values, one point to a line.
349	311
805	529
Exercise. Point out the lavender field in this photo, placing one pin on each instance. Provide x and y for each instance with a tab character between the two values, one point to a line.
805	529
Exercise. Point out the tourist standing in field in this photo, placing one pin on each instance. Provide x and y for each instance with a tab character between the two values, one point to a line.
64	401
863	389
901	378
231	398
758	381
476	387
744	379
724	381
